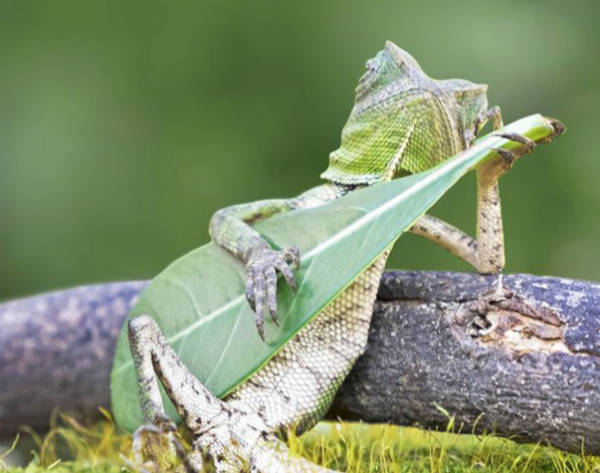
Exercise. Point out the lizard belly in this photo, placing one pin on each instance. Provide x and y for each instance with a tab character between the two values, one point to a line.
296	387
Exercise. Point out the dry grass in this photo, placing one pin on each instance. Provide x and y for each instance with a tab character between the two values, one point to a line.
74	447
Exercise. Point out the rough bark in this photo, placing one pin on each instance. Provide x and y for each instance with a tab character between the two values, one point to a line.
524	365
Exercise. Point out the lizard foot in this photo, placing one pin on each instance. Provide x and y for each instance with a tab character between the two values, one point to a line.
509	157
261	280
155	446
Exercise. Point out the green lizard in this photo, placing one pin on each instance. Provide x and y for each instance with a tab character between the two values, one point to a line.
402	122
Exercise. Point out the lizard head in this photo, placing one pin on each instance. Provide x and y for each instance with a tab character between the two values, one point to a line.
403	121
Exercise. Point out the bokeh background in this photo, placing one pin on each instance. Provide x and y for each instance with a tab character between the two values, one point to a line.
125	124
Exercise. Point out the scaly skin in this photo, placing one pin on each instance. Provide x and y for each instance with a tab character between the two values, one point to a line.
403	122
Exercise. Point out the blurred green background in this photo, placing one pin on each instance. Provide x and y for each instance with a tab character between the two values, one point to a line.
125	124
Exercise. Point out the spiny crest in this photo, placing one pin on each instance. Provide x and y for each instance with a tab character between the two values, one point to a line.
402	121
391	66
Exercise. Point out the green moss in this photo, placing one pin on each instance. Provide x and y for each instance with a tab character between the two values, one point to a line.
356	448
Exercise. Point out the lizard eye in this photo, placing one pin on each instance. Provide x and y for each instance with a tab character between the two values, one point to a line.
371	67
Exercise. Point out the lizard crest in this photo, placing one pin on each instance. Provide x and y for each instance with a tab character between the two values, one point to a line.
403	121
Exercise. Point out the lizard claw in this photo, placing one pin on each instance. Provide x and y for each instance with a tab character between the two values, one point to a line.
509	157
261	280
260	326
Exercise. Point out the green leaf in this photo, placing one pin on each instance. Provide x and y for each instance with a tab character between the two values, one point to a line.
199	303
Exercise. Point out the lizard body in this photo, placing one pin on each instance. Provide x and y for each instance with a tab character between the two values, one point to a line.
402	122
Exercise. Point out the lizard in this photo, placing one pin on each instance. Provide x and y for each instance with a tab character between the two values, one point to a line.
402	122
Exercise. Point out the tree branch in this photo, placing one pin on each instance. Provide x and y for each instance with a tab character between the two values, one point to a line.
524	365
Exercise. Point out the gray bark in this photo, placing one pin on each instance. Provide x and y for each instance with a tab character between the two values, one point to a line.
521	362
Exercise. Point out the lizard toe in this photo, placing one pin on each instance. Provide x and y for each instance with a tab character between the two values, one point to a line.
528	145
509	157
271	277
284	269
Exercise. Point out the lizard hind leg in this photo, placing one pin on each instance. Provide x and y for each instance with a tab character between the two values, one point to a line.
155	442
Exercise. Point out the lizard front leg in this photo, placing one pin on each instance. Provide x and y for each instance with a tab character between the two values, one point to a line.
486	252
231	228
